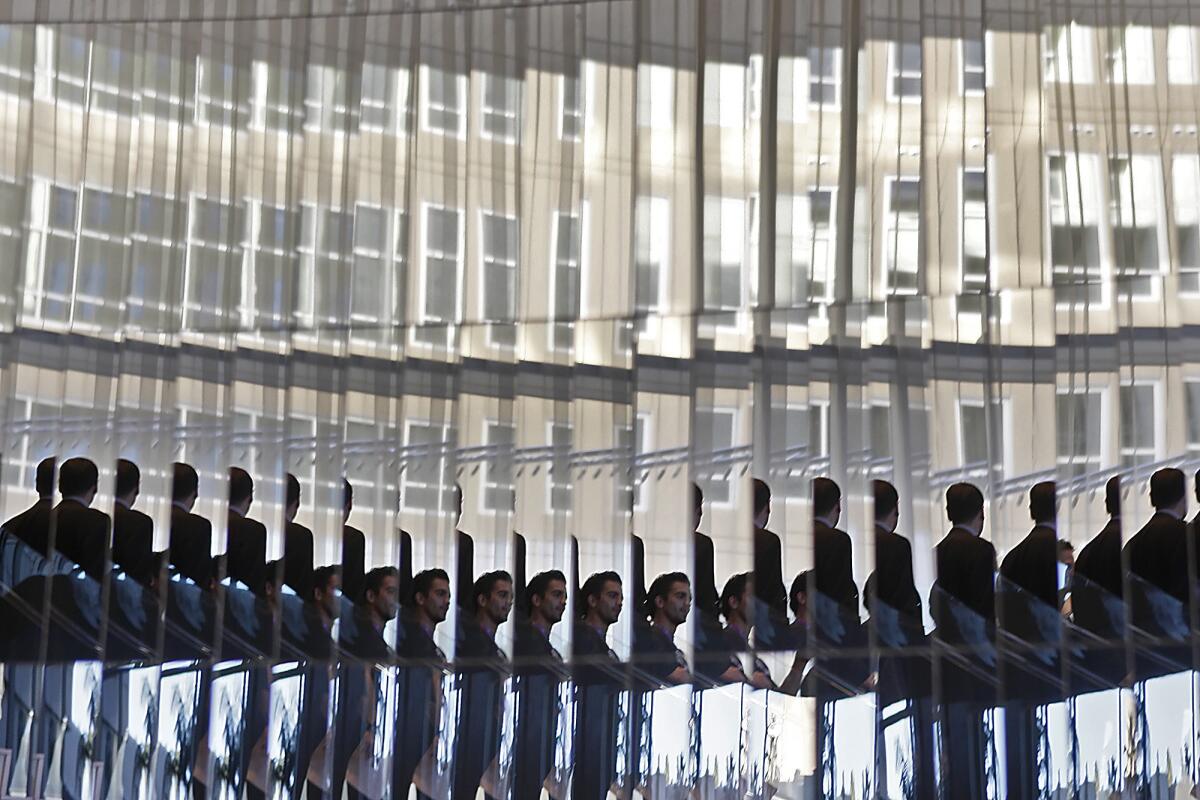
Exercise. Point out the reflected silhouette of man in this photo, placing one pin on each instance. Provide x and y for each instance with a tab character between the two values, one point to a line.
79	531
1031	563
191	534
133	531
1099	562
1157	554
297	544
33	524
247	542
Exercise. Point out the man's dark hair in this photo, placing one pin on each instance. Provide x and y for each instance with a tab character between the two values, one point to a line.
734	588
422	582
273	574
129	477
887	499
77	476
1167	487
373	580
185	482
1065	546
321	577
1043	505
347	494
540	584
43	476
762	495
1112	495
241	485
485	584
594	587
826	496
964	502
293	491
799	586
661	587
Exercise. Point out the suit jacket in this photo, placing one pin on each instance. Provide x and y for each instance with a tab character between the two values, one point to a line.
707	598
466	571
1032	564
247	551
1158	554
354	547
833	562
768	571
191	546
298	559
966	569
892	581
133	543
32	525
81	534
1100	560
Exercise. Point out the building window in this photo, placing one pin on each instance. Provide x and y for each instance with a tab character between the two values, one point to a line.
444	110
164	81
1079	431
902	235
441	264
879	428
501	117
904	70
223	93
567	248
805	248
1067	54
500	248
562	487
498	493
655	96
974	232
652	252
326	106
384	102
1134	201
724	252
156	266
325	235
50	278
571	100
732	94
1181	55
278	96
1074	197
1185	179
972	434
270	266
713	437
1192	399
974	64
1138	415
425	483
103	242
824	76
215	235
1130	55
371	288
16	59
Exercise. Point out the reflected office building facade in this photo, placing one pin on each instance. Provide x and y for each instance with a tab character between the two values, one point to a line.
691	398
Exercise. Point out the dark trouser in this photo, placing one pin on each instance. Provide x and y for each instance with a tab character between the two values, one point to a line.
963	743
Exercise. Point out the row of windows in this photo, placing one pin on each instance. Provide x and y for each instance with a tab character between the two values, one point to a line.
111	78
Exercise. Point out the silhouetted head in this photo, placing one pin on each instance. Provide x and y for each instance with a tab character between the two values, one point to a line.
292	504
1112	496
43	477
887	504
1043	503
79	479
347	500
241	489
185	484
964	505
129	481
762	503
1168	489
697	506
827	500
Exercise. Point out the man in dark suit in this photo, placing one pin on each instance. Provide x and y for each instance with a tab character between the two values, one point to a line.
966	573
191	534
133	531
36	518
770	617
247	543
833	557
1157	554
539	668
966	562
354	546
1099	564
892	581
79	531
297	544
703	567
466	557
1030	565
